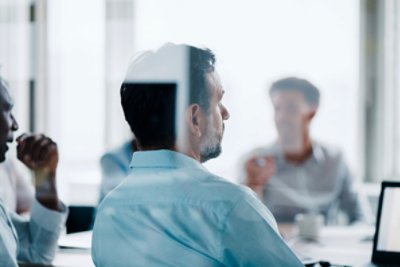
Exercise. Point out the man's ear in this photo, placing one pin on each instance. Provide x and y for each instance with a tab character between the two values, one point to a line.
194	119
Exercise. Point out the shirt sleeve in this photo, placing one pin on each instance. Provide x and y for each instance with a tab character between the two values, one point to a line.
250	237
37	237
352	202
8	239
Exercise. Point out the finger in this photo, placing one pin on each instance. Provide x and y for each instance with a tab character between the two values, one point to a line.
250	163
253	167
22	137
25	147
39	149
269	158
261	162
21	142
51	151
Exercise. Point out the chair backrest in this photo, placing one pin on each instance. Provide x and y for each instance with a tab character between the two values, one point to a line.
80	218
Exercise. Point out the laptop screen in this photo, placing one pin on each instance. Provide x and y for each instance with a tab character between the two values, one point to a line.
389	221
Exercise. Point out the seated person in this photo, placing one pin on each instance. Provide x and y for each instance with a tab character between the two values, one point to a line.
297	174
170	211
16	189
115	167
32	241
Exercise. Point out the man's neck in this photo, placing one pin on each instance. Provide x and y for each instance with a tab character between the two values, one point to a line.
186	151
302	156
190	153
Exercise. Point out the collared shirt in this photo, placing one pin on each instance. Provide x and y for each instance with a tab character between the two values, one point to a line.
323	184
34	240
115	167
170	211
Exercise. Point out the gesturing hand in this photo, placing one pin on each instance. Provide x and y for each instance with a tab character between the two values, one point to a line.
38	152
259	171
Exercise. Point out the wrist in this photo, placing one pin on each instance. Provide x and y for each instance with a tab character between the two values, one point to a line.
257	188
46	190
251	184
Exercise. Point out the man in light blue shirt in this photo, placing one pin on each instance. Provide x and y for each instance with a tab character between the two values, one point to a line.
34	240
170	211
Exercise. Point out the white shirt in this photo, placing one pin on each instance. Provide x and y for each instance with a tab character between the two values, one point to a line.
16	189
34	240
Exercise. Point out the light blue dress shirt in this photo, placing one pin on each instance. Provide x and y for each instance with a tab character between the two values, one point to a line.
34	240
170	211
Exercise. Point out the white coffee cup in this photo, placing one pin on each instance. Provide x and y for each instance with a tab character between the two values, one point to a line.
309	225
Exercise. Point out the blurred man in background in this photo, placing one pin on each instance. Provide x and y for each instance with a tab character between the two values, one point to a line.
297	174
34	240
115	166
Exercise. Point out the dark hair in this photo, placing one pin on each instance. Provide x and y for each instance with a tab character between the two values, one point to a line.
149	108
202	62
308	90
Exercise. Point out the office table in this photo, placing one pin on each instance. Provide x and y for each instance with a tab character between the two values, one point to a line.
338	245
73	258
68	258
350	245
74	250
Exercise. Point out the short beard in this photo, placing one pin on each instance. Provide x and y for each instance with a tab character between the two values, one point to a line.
211	145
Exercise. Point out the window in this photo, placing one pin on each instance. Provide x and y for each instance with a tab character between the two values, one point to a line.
79	56
259	42
15	60
381	80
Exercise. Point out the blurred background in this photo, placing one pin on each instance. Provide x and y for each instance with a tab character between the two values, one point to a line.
64	61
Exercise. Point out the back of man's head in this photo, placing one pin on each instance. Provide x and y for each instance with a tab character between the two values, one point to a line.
150	91
309	91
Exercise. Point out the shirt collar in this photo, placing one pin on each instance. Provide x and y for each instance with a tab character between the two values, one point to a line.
162	159
317	153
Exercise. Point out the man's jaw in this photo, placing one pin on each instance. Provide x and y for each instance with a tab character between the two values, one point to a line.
211	149
3	150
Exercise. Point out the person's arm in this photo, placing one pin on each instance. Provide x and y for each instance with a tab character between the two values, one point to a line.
250	237
8	239
40	154
38	237
259	170
353	203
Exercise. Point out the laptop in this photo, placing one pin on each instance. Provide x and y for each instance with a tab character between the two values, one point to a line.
386	249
